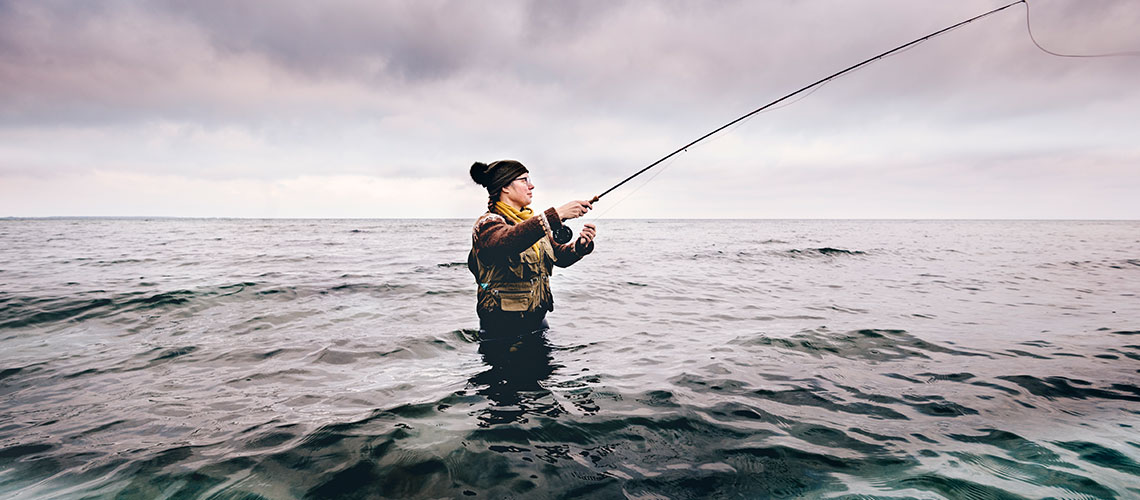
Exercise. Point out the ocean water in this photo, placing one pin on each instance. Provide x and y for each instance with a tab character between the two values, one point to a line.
184	358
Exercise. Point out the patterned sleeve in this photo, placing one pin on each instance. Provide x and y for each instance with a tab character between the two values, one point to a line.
495	239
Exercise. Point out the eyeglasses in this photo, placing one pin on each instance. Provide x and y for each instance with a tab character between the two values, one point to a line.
524	179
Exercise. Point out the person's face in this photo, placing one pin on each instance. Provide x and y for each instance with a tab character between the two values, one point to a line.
519	192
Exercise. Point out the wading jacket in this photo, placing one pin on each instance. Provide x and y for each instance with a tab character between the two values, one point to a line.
510	274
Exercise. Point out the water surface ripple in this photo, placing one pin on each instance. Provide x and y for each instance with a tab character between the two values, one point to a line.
183	358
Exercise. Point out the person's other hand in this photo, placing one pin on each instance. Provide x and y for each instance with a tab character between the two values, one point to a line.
586	236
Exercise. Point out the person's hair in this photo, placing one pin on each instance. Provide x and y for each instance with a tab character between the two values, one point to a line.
496	176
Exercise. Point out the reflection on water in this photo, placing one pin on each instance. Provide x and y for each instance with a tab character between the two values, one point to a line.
513	379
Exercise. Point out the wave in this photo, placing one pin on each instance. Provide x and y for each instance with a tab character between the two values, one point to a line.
1088	265
38	311
1063	387
867	344
824	251
740	444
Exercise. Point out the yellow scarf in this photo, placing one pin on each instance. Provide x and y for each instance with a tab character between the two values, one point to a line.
517	216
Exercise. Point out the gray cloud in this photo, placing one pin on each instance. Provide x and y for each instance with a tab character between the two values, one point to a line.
99	57
406	40
239	89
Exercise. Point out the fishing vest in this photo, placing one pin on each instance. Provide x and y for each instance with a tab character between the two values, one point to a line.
519	283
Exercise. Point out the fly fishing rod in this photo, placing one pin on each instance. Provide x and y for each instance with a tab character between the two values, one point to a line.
565	234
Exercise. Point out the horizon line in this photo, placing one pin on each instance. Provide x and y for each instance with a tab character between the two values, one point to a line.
194	217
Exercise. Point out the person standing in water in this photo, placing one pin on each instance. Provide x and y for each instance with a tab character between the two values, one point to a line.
513	252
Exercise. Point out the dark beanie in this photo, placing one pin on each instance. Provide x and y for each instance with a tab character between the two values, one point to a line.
497	175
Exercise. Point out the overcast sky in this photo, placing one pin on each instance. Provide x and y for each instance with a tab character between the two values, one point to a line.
232	108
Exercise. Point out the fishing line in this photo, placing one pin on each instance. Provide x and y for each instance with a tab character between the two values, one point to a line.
1029	28
564	234
637	188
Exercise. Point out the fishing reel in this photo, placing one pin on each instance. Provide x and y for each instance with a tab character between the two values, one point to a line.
563	235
